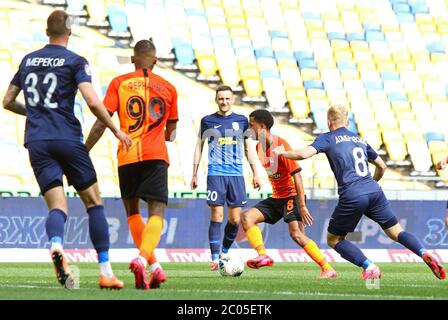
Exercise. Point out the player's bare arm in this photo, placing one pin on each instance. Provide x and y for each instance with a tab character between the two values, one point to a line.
100	111
95	134
170	131
380	168
10	103
300	154
196	161
251	156
304	213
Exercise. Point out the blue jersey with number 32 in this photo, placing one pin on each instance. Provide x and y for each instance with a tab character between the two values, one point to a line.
348	155
49	78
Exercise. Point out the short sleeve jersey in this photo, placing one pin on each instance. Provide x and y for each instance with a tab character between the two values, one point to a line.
348	155
279	169
49	78
145	102
225	137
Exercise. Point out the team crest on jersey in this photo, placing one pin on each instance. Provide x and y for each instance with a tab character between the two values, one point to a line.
235	126
87	70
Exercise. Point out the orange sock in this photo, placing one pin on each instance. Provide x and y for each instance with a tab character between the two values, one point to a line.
151	236
255	239
314	252
137	225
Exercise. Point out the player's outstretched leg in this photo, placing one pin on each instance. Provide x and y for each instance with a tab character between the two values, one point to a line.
256	240
230	232
214	235
99	234
436	267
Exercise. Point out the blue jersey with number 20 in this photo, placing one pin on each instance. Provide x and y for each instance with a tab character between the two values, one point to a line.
49	78
348	155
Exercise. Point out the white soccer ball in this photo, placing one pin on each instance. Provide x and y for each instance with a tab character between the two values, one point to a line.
231	267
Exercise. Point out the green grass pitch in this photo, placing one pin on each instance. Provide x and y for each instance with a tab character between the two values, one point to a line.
194	281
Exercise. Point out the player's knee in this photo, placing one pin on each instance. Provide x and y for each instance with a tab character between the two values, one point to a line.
332	240
246	221
298	237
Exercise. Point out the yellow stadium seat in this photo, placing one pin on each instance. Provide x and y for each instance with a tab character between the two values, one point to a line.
207	65
310	74
233	11
326	64
340	44
358	45
295	94
422	18
316	25
254	12
247	62
329	15
427	27
401	57
317	34
368	16
385	66
349	74
373	137
404	66
239	32
439	57
285	63
249	72
294	83
390	27
236	22
252	86
299	108
416	96
345	54
400	107
395	146
437	146
318	94
366	65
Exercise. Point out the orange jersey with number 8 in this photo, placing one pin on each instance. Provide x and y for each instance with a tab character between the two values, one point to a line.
145	102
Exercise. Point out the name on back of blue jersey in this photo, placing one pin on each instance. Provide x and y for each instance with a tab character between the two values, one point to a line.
45	62
347	138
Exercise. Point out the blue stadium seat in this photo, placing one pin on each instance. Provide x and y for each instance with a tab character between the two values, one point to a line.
352	123
307	63
299	55
401	8
117	18
222	41
313	84
405	17
373	85
355	36
371	26
194	12
390	75
419	8
141	2
279	34
264	52
435	47
397	96
374	36
75	5
336	36
320	118
264	74
347	65
309	15
434	136
318	105
284	54
183	51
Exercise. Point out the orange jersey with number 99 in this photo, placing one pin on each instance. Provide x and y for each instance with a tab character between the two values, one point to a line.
145	102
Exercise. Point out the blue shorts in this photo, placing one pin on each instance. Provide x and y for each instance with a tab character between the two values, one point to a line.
349	211
51	159
222	189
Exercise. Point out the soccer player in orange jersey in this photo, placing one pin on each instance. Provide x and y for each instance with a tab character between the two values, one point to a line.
147	108
287	201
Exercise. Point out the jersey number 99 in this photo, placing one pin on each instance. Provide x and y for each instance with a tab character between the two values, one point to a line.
136	110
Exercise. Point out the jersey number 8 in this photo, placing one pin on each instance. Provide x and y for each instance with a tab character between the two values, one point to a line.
361	167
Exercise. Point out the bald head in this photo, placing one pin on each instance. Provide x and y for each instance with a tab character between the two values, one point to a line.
144	54
59	24
337	117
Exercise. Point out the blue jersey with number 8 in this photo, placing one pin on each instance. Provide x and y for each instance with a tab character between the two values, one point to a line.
348	155
49	78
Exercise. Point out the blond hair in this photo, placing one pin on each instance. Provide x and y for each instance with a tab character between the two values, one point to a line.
338	114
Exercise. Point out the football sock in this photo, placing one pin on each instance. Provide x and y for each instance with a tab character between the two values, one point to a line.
136	226
230	232
368	265
411	242
350	252
214	236
256	239
314	252
154	266
55	228
104	264
151	236
98	228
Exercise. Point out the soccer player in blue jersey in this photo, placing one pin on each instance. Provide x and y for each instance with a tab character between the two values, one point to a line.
225	133
359	193
441	165
50	78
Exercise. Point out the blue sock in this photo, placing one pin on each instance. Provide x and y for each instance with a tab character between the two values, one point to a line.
350	252
98	229
54	225
214	235
230	232
411	242
103	256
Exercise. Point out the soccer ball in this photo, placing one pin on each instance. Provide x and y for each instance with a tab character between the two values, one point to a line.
231	267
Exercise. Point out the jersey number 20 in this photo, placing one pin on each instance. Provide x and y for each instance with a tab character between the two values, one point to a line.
361	167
